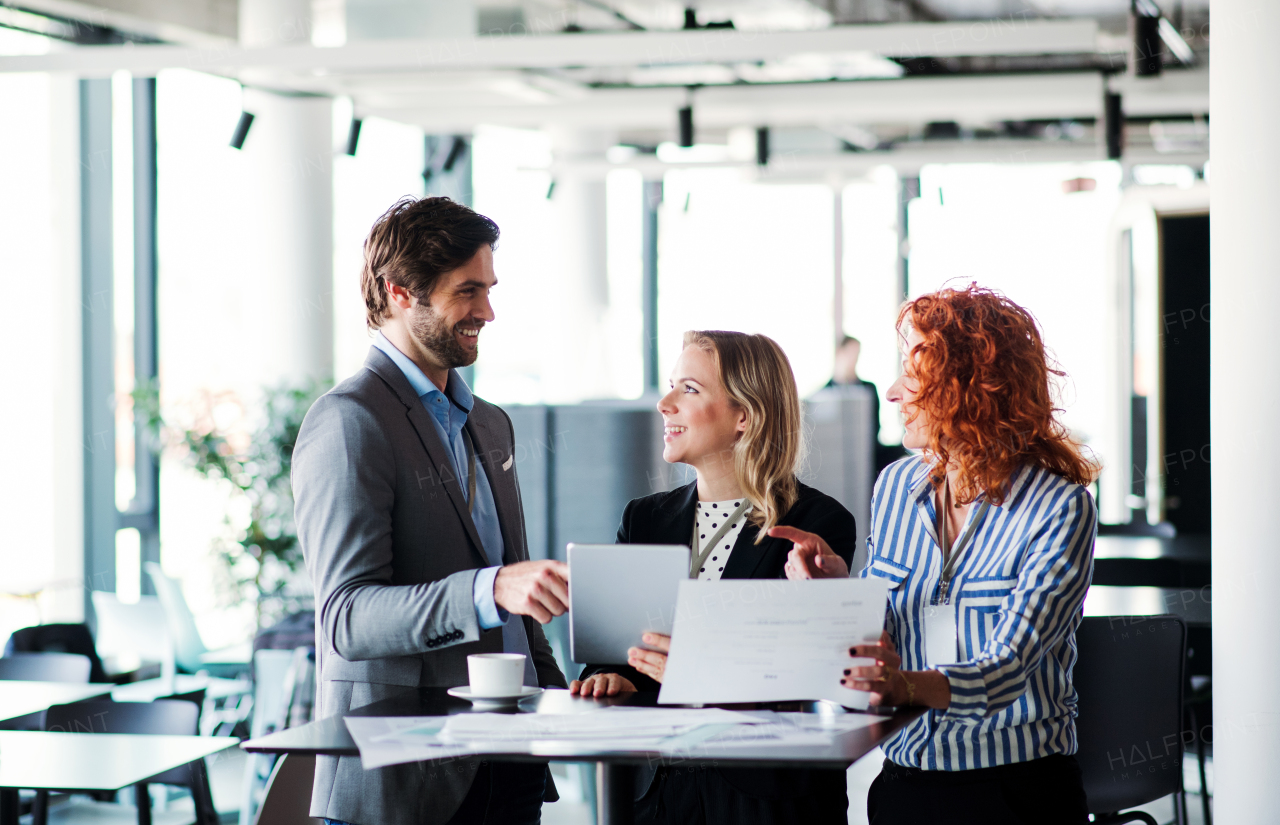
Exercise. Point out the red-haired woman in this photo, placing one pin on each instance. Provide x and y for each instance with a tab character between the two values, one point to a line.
986	539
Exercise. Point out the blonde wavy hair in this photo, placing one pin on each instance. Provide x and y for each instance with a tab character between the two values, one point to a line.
757	377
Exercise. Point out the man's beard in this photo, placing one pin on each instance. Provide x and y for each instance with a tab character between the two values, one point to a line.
430	330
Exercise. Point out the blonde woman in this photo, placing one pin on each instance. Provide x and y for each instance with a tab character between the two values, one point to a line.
733	414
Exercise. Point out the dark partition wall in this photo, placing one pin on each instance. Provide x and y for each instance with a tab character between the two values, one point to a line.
1185	312
841	429
534	470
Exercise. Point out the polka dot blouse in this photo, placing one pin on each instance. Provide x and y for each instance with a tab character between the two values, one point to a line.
711	516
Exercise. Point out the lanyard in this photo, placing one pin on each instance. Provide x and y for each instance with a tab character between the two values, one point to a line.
957	549
471	474
730	519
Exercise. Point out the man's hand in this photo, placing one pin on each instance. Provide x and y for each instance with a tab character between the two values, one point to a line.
810	557
533	588
652	663
602	684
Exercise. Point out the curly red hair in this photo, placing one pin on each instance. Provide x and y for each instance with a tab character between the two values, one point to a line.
984	388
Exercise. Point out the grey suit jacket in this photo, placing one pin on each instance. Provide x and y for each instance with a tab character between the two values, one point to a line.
393	553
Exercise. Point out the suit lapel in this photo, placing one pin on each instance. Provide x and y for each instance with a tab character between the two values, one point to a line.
442	470
747	555
491	456
673	520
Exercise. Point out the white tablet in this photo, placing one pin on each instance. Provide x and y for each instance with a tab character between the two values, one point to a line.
617	592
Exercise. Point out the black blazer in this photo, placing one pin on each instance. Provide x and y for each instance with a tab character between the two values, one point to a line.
667	518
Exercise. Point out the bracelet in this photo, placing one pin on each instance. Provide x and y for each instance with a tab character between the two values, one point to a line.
911	689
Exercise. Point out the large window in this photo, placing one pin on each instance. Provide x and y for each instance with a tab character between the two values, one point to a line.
40	419
1016	228
218	345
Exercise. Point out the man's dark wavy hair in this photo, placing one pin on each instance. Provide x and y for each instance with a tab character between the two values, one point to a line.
414	243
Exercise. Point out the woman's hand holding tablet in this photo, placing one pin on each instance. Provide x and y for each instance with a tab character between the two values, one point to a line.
652	663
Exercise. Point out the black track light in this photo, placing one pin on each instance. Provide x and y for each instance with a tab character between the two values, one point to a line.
686	127
1147	58
1113	125
242	130
353	136
762	146
456	151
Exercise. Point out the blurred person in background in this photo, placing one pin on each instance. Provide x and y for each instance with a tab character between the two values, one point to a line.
845	374
986	540
733	414
409	516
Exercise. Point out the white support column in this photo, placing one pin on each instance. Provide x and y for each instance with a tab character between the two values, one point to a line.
837	258
583	366
290	210
1245	385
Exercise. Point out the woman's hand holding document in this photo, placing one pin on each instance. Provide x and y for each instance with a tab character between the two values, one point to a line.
773	640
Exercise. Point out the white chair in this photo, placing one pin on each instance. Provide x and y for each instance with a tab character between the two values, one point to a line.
137	632
189	651
270	669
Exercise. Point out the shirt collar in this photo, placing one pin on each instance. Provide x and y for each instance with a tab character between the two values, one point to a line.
920	485
456	389
1020	478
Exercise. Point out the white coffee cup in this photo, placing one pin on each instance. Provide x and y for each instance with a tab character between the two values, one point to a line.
495	674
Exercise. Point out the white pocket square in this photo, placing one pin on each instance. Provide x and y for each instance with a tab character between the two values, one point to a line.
506	465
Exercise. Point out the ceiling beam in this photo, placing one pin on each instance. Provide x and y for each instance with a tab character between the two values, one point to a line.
1016	35
907	158
191	22
970	99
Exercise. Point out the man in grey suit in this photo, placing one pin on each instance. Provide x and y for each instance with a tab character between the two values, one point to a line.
410	520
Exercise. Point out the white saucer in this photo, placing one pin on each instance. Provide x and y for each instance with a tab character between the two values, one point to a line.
464	692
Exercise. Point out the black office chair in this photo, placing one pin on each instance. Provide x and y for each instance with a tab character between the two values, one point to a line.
1129	677
45	667
1198	703
163	716
58	638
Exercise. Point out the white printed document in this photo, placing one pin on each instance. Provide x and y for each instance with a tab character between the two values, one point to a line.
394	740
609	725
770	640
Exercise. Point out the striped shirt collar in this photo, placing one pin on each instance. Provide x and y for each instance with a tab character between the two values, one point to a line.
920	487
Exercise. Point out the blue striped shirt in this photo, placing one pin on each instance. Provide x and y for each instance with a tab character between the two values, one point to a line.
1017	591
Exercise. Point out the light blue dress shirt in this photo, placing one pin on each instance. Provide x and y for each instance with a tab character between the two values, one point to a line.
449	414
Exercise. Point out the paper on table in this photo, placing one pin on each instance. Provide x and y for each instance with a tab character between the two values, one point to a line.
610	724
393	740
778	729
768	640
386	741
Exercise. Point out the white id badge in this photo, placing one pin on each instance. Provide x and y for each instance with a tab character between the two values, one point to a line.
940	635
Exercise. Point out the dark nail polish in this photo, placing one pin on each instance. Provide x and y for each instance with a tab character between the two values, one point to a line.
853	651
846	673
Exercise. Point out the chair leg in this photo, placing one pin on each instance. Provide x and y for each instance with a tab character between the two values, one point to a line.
202	794
1204	781
142	798
40	808
1180	807
1200	757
